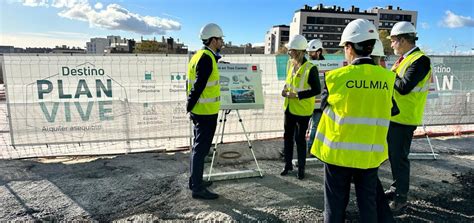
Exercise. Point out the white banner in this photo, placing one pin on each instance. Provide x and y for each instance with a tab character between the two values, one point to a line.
326	65
68	99
55	99
141	99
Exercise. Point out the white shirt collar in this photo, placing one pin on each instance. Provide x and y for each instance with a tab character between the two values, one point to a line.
211	50
359	58
409	51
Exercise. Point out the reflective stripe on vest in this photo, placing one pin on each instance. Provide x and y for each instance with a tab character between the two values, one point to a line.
349	146
317	104
209	84
209	100
425	87
356	121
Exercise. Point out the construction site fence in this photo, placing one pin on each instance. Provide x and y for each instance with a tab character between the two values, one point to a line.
147	109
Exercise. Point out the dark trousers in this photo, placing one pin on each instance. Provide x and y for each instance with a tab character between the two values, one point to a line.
204	128
384	213
295	130
337	186
399	141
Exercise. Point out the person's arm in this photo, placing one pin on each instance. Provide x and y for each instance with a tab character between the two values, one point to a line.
313	81
415	73
203	72
395	110
324	95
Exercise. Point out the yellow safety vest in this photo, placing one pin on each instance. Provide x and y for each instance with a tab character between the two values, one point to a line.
353	128
317	105
296	83
209	101
411	105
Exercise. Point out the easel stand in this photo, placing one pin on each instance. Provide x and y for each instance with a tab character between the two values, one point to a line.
432	93
235	174
424	156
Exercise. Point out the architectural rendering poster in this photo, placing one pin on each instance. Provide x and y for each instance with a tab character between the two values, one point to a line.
241	86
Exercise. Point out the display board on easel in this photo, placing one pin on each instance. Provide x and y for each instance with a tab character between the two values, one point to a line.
241	86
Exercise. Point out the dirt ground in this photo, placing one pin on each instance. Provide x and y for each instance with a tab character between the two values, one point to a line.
153	186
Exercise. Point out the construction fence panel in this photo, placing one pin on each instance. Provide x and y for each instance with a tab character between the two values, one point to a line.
449	101
84	104
134	103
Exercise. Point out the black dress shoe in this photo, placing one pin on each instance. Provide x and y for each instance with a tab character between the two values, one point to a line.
204	183
300	175
204	194
390	194
285	171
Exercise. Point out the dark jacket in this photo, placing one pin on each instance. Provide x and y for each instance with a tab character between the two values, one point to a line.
415	73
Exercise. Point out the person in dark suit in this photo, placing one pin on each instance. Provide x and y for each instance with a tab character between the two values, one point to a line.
413	71
203	104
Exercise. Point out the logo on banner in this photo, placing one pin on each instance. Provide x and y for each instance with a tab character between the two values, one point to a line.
68	99
149	78
148	75
178	76
179	114
178	81
442	77
150	115
65	92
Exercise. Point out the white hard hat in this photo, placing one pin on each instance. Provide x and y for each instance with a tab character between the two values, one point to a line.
210	30
378	49
358	31
402	28
297	42
314	45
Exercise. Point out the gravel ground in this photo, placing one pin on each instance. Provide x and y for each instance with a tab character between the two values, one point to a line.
153	186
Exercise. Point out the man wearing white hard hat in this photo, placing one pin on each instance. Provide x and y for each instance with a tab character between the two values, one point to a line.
413	71
203	104
377	54
315	49
315	52
352	132
302	85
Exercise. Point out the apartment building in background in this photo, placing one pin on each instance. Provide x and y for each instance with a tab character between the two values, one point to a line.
276	37
11	49
328	22
389	16
97	45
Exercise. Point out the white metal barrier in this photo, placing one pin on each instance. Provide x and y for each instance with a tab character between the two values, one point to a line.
148	103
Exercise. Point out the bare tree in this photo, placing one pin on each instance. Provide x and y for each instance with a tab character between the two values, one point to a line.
383	34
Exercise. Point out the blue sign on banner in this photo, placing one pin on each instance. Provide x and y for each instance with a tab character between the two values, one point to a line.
281	61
